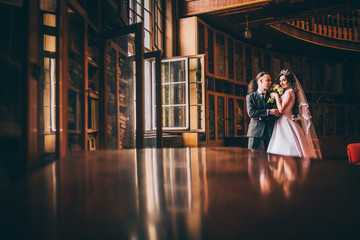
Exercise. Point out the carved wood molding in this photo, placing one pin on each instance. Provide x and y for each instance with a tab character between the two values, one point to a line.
315	38
196	7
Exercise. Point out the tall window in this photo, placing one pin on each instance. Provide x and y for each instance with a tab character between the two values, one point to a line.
158	24
183	94
48	81
175	93
147	24
149	12
135	11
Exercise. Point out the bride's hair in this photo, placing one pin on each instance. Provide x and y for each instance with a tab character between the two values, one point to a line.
253	85
289	75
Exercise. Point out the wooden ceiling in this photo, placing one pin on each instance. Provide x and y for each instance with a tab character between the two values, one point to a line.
231	14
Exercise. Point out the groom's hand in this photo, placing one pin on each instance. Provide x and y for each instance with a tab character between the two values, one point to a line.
274	112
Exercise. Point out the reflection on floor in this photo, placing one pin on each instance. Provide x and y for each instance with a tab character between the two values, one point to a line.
184	193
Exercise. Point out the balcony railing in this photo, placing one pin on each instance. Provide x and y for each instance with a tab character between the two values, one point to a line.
342	26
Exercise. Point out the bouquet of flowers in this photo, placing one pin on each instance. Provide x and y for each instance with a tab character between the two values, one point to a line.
276	88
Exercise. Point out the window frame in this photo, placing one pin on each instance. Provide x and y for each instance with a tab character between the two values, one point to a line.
188	104
186	93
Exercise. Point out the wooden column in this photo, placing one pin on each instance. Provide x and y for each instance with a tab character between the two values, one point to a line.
32	89
61	138
140	93
159	139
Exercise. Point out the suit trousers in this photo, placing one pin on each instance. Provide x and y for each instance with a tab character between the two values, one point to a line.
255	142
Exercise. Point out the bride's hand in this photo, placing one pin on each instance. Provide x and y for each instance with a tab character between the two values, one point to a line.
274	95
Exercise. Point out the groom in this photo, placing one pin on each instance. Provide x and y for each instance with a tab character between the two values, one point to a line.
262	114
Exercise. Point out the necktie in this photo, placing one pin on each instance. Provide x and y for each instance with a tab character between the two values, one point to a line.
263	95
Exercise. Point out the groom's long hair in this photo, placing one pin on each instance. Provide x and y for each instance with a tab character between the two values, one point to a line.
253	86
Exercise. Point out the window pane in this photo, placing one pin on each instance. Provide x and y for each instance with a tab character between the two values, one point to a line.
156	38
131	16
165	72
178	94
166	118
195	70
148	99
147	20
178	116
177	71
158	4
159	21
147	4
165	95
50	20
49	43
48	119
195	93
159	39
47	5
138	19
195	114
155	16
147	40
138	9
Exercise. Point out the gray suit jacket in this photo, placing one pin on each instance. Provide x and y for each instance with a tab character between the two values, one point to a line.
256	109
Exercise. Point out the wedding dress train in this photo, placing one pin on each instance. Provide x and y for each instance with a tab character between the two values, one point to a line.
288	137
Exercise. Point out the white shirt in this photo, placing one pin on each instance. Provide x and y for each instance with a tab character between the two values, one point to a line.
260	92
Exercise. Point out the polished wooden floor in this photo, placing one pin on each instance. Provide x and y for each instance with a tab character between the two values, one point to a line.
185	193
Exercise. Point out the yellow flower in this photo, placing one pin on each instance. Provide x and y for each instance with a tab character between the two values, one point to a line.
277	89
271	100
281	91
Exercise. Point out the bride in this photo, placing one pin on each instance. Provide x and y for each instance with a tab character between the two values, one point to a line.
293	133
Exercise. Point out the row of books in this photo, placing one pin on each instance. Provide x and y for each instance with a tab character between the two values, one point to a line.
122	121
122	99
92	56
93	114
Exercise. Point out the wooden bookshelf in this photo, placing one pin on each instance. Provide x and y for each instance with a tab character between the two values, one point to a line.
93	49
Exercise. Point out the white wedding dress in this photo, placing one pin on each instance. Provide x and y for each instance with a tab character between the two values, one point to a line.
288	137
